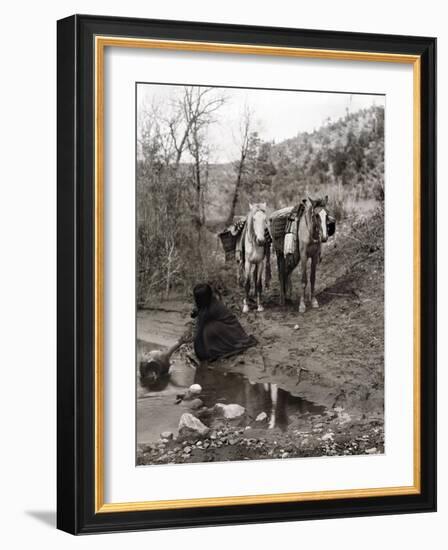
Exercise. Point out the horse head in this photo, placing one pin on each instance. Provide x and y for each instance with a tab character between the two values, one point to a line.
319	216
257	221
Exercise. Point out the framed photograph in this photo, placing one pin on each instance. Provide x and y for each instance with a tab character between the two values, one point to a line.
246	274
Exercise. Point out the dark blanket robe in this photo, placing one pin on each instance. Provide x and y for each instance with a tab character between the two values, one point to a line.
219	333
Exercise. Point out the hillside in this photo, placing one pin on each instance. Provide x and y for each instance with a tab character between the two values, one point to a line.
344	158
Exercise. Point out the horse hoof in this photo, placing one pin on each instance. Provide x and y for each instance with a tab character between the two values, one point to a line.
302	308
271	425
260	308
314	303
245	308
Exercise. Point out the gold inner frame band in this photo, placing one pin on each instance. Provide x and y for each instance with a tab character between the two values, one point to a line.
101	42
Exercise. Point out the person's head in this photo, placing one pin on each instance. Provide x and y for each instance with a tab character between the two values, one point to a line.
202	295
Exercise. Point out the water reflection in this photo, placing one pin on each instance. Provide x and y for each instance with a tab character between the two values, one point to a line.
219	386
225	387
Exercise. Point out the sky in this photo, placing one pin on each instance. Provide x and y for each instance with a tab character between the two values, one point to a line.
278	114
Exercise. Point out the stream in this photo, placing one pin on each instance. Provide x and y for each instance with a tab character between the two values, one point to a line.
160	410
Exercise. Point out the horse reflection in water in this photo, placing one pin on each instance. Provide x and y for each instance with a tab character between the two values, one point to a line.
278	404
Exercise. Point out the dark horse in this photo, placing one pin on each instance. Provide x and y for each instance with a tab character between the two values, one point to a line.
311	230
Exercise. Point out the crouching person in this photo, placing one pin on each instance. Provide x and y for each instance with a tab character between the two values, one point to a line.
218	331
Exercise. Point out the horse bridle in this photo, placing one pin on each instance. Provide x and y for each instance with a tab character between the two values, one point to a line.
316	225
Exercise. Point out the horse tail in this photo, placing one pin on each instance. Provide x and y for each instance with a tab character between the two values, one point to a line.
240	255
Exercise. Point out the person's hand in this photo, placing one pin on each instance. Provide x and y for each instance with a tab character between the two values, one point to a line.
187	336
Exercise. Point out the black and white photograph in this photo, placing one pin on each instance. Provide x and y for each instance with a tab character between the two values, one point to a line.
259	273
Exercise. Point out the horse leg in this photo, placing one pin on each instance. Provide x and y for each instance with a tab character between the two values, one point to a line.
303	262
281	277
247	286
259	285
274	394
288	286
314	260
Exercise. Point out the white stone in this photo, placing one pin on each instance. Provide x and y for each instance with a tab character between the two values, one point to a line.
371	451
229	411
195	389
190	422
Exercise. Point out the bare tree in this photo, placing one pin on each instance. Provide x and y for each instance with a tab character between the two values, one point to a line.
174	155
247	143
199	105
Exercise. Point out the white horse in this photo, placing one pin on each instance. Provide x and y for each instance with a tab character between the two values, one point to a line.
255	252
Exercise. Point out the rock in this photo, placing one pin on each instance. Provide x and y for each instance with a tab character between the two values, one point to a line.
191	423
166	435
233	441
285	455
187	450
261	417
296	327
195	389
344	418
327	436
371	451
229	411
196	404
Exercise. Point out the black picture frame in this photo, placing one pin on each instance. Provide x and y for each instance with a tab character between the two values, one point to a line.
76	271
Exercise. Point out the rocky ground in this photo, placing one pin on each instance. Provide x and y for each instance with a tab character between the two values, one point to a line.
332	357
331	434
